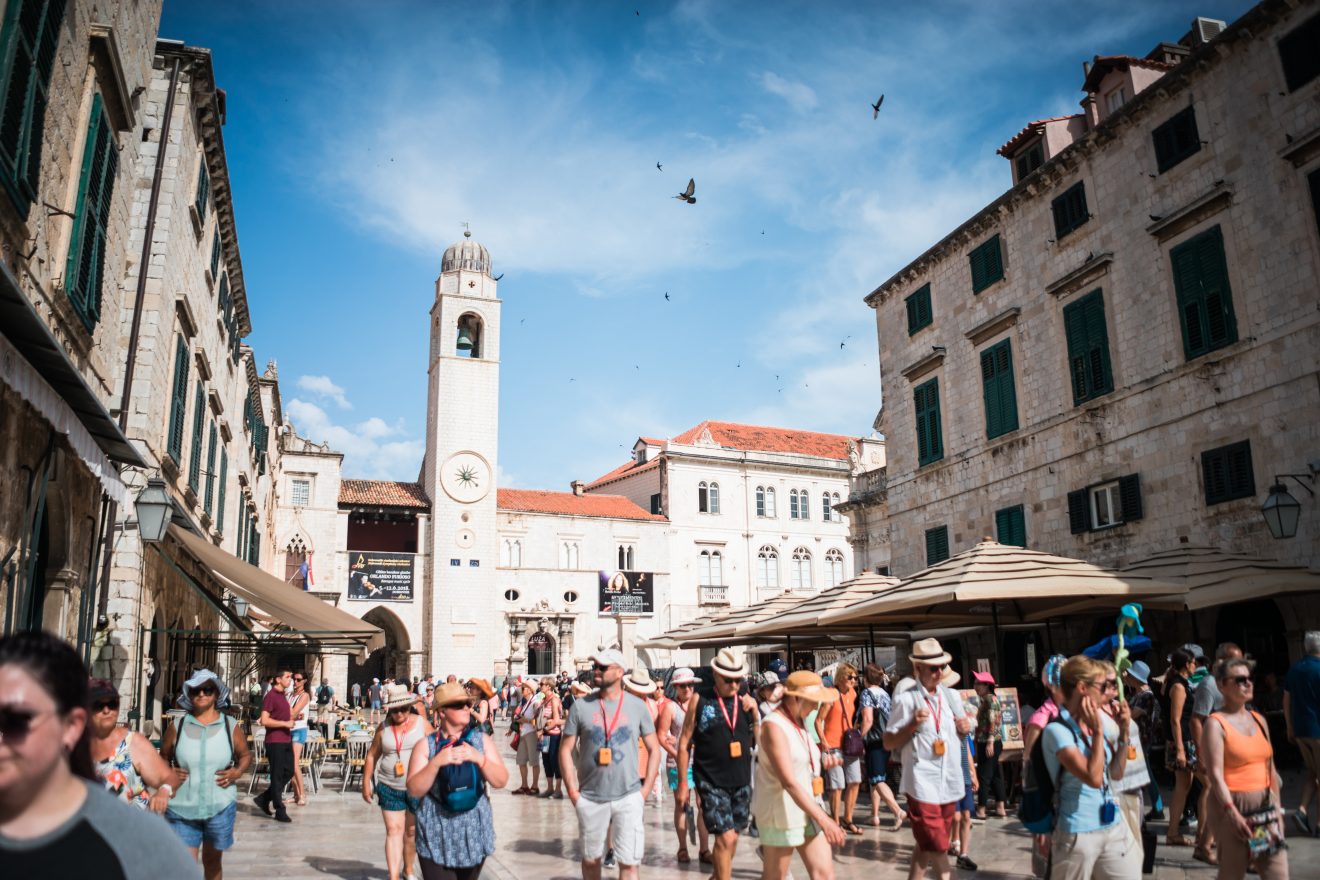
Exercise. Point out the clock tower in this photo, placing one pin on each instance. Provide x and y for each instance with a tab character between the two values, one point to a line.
463	626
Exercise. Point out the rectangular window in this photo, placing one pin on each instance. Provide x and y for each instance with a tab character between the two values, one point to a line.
209	495
655	504
793	505
760	502
1205	302
199	419
987	263
220	500
1029	160
1070	210
1299	50
85	270
254	544
1106	510
28	42
997	385
226	303
178	401
930	442
215	254
1313	180
300	492
1176	140
937	544
1105	505
1011	526
919	313
1115	99
1227	472
203	191
1088	347
703	498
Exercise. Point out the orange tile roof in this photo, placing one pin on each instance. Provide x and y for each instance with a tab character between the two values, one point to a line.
1031	128
568	504
754	438
383	493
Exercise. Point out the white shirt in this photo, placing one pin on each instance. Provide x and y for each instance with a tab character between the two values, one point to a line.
927	777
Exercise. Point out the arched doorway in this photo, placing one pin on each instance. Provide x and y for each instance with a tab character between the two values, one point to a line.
540	653
390	661
1257	627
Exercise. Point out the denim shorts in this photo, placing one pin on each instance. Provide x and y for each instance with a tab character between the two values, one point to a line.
394	800
967	803
217	831
300	735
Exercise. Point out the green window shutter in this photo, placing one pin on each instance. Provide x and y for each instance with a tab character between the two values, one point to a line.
29	40
1228	473
1011	526
1176	139
987	263
254	543
1079	511
84	273
203	191
178	401
926	401
937	545
1299	50
1129	497
919	314
1070	210
1205	302
997	384
210	470
220	497
199	419
1088	347
226	303
215	254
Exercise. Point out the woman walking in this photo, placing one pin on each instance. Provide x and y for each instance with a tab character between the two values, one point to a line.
449	776
56	819
876	705
300	702
786	796
125	761
1090	839
989	746
1244	786
386	775
211	753
1180	750
525	743
482	696
551	727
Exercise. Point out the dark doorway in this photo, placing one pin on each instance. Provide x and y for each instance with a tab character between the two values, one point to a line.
1024	653
1257	627
540	654
390	661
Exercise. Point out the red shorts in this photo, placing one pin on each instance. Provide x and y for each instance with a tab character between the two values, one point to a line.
931	824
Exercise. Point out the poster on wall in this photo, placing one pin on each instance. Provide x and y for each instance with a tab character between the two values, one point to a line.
375	576
627	592
1010	714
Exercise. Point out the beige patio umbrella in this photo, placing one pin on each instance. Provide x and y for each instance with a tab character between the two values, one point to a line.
1217	577
803	618
721	629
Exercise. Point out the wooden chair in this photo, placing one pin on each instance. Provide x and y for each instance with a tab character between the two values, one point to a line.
260	763
312	755
355	759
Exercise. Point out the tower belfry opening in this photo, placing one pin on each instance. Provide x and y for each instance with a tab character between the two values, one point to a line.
468	343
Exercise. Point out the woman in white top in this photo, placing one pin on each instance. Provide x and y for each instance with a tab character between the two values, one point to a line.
386	775
788	786
300	702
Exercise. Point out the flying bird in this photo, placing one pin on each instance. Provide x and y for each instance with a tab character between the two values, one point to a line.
845	339
499	276
687	194
659	167
666	296
875	108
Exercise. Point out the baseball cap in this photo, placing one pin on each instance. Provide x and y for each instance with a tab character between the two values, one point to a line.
610	657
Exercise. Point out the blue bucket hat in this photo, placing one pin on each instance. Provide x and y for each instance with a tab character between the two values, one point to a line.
199	678
1140	671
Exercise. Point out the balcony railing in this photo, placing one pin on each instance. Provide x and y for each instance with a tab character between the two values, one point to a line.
714	595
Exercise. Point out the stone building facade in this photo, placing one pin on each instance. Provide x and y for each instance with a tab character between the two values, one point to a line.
72	73
1118	355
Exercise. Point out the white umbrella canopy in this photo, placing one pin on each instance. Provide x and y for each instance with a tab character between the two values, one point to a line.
991	579
804	617
1217	577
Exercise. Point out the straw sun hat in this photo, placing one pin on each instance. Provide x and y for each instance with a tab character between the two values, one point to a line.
806	685
639	681
727	664
397	695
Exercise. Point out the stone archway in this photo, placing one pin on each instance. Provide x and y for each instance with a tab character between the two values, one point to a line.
391	661
541	653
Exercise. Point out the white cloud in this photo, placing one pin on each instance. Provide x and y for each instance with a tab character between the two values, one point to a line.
800	96
372	448
324	388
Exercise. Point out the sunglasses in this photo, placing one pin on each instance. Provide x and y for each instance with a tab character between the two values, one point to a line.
457	706
102	705
1109	684
932	667
599	668
16	723
1241	680
206	690
298	678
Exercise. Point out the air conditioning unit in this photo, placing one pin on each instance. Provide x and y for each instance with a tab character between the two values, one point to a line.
1205	29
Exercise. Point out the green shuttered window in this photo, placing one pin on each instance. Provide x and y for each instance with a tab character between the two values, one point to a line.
919	314
1070	210
1088	347
29	40
178	401
215	253
1011	526
85	271
997	385
1205	302
209	495
203	191
930	443
1227	472
1299	51
199	419
987	263
937	544
1176	139
220	499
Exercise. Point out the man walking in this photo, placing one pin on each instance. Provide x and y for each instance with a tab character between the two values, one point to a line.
1301	713
601	775
356	695
718	737
928	723
278	721
374	694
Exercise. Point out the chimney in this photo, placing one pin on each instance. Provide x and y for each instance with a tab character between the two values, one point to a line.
578	487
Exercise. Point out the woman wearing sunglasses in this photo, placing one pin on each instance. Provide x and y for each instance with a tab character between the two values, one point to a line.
300	701
56	819
386	776
210	749
125	760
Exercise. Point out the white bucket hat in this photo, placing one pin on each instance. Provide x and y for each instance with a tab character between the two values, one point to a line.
728	665
639	682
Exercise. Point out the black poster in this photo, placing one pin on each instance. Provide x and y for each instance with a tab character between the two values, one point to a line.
627	592
374	576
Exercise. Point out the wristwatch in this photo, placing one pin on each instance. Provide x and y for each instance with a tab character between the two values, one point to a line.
167	788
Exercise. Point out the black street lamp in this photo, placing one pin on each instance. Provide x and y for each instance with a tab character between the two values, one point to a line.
154	509
1281	510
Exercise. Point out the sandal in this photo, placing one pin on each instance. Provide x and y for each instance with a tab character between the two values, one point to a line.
847	825
683	857
704	857
1201	854
1176	840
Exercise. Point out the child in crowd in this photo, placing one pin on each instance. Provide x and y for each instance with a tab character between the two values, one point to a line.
961	838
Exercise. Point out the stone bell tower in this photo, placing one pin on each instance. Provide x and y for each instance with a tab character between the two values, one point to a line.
463	627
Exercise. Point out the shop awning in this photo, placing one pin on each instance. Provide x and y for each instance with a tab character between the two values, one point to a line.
1217	577
288	608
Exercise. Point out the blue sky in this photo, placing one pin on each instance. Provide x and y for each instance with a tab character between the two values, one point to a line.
361	135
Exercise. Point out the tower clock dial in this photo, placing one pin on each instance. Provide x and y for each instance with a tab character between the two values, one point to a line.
465	477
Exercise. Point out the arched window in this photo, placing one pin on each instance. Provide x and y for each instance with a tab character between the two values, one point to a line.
703	497
760	500
770	502
767	568
626	558
793	504
568	555
468	341
511	553
295	557
834	502
711	569
804	504
714	497
802	569
632	561
826	510
833	568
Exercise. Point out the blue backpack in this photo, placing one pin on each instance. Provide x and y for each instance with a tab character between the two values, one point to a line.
458	787
1039	807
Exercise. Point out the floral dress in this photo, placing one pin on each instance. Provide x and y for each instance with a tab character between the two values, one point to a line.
455	840
989	718
121	777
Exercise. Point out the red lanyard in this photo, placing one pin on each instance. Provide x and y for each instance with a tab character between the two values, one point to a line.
934	712
732	722
613	724
398	740
806	741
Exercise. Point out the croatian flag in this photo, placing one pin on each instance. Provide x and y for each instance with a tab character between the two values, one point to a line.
308	582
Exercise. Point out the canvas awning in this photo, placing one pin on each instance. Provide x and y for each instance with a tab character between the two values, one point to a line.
1217	577
289	609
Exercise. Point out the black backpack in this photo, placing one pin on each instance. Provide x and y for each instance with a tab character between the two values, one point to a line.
1039	807
323	695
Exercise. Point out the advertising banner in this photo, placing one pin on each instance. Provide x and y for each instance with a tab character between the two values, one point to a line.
1010	714
627	592
376	576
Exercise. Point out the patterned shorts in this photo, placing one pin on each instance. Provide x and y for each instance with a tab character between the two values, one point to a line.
725	809
1171	755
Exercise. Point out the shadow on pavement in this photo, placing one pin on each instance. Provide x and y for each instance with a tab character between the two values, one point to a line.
347	869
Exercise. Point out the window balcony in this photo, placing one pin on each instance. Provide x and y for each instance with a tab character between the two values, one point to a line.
714	595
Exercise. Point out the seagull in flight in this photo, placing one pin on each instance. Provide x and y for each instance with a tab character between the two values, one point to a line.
659	167
687	194
875	108
666	296
845	340
499	276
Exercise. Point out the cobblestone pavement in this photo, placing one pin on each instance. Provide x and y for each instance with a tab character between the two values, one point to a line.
340	836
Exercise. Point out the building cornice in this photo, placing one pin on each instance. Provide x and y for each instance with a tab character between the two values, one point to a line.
1181	219
1095	266
916	370
994	326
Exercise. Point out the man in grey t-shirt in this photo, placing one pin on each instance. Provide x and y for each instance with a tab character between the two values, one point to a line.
599	758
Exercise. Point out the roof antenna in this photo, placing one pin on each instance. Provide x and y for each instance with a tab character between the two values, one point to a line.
467	230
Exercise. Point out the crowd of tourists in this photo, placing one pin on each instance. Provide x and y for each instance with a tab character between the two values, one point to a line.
782	757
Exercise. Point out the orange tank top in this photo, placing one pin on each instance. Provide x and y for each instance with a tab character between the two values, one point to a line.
1246	758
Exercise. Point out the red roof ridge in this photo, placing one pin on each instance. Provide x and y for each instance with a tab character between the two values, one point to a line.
383	493
572	504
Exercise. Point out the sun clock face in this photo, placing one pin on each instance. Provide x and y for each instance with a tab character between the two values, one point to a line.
465	477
